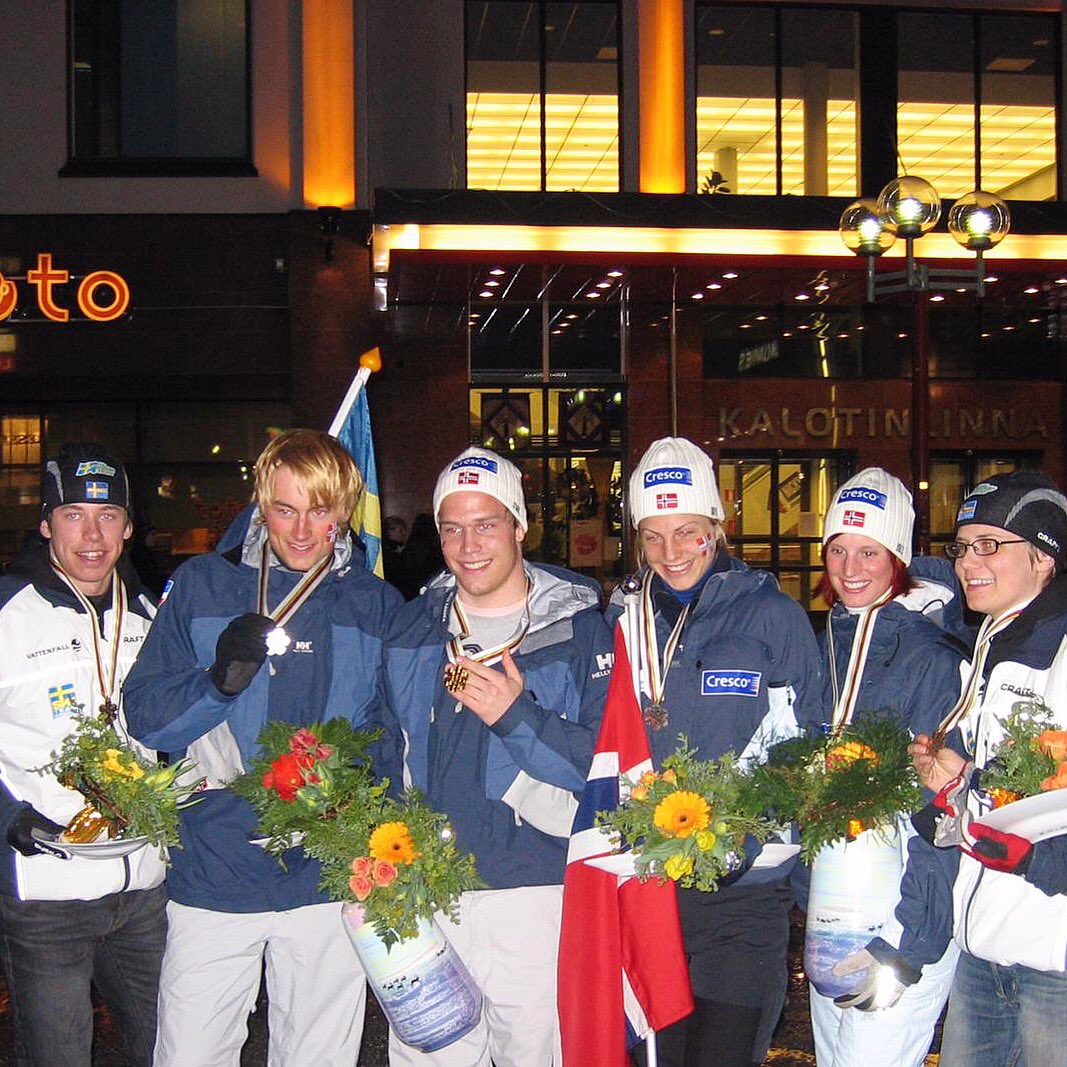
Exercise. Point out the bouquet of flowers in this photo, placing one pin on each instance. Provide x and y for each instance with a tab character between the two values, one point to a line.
396	858
305	774
687	822
1031	759
127	796
859	778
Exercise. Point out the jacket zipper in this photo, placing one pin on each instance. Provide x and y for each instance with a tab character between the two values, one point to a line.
967	910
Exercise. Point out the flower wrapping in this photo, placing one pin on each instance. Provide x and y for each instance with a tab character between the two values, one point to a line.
1032	757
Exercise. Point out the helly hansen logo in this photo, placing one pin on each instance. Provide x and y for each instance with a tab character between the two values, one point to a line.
662	475
853	518
475	461
468	478
302	646
863	495
604	662
664	501
739	683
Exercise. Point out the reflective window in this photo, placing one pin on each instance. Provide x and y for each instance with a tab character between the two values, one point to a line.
166	80
542	95
739	107
1002	140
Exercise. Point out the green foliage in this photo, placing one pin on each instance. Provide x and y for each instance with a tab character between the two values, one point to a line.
432	881
1020	764
340	777
138	798
689	821
860	778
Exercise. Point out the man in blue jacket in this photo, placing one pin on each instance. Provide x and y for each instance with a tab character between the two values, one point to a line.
495	684
230	653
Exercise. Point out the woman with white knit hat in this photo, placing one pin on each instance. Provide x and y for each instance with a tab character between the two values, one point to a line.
881	653
729	661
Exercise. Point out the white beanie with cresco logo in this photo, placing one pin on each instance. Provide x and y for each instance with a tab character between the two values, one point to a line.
477	470
674	477
876	505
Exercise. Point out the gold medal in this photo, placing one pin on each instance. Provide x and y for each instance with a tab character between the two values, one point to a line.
455	677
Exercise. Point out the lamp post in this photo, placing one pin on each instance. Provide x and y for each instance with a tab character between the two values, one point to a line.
909	207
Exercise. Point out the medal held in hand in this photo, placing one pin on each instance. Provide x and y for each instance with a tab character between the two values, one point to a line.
455	677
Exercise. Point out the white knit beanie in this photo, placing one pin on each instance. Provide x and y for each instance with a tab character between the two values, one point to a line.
876	505
674	477
480	471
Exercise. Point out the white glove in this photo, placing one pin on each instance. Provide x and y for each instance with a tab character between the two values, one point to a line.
888	975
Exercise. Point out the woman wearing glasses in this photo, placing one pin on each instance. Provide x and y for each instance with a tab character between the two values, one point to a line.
882	654
731	662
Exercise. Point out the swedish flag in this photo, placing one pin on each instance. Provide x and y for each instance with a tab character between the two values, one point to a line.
352	428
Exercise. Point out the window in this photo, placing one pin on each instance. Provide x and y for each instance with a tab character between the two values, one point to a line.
776	101
542	95
159	88
976	102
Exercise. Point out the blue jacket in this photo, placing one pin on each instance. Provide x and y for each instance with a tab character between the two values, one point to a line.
911	674
330	671
508	789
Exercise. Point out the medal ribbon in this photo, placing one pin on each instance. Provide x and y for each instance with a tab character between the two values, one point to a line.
845	699
989	629
295	598
488	656
657	666
105	674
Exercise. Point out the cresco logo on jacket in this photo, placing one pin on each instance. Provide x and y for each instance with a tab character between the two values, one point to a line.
668	475
735	683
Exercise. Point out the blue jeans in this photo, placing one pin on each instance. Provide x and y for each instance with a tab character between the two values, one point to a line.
53	950
1005	1016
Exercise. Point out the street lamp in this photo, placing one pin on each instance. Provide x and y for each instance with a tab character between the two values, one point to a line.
909	207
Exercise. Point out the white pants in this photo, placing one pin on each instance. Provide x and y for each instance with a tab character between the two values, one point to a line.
211	974
899	1036
509	941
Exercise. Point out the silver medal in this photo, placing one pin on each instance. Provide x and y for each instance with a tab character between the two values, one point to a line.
278	641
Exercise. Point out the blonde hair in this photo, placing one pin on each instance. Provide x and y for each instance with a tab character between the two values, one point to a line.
323	466
721	540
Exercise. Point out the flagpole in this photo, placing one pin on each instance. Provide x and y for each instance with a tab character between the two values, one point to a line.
368	363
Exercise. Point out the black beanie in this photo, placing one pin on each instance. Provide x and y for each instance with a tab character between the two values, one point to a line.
83	474
1025	503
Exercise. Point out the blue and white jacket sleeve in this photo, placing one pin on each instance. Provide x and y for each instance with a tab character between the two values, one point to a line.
169	698
925	907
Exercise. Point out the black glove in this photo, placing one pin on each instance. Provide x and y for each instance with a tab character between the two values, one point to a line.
888	975
240	652
20	834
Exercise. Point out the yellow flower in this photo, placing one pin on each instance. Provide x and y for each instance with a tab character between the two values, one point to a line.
639	792
392	842
113	766
681	813
705	840
847	753
669	776
678	866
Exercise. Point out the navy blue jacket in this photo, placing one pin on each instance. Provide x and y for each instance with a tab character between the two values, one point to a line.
508	788
330	671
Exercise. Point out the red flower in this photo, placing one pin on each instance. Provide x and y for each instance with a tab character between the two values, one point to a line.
284	777
305	746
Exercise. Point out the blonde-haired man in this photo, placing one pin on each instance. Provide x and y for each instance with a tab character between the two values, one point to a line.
204	687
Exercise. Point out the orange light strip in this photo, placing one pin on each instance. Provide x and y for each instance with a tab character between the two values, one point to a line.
329	103
644	240
661	92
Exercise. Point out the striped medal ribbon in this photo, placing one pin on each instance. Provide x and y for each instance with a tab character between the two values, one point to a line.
989	629
847	695
655	715
456	677
106	666
278	640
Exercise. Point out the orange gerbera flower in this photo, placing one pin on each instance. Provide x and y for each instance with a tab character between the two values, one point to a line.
1003	796
682	813
847	753
1054	743
1057	780
392	842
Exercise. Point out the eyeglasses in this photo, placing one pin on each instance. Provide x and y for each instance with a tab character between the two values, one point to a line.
983	546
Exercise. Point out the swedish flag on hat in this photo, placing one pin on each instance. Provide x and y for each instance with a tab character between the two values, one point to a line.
83	474
674	477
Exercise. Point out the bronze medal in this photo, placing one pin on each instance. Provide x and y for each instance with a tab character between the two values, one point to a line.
108	711
455	677
655	716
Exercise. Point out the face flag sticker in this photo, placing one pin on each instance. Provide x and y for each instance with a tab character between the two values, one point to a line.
166	591
96	490
853	518
468	478
94	466
703	543
666	500
331	532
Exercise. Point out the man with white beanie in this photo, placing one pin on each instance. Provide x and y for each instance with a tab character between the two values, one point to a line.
495	680
883	655
729	661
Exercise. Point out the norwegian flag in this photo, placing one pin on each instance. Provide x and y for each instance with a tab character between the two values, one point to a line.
666	500
468	478
853	518
622	969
